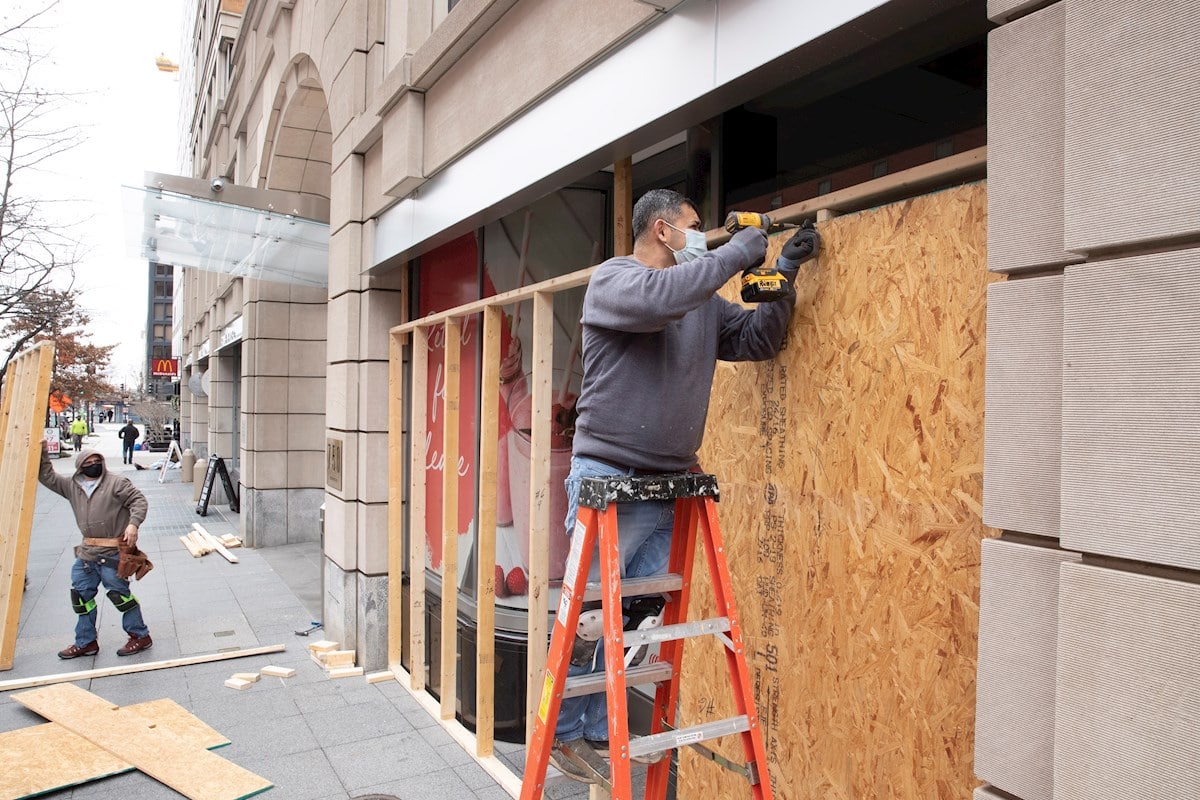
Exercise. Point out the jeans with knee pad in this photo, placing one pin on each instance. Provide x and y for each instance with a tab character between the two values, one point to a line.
644	530
86	577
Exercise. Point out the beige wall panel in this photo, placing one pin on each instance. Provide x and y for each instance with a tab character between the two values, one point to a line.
988	793
267	357
1018	642
372	396
372	538
344	324
381	311
266	431
306	395
346	192
348	93
342	396
307	321
1133	123
1131	408
306	432
271	395
341	532
271	291
1025	142
521	58
346	34
373	467
374	200
305	468
306	359
1023	425
345	259
308	294
851	470
1128	704
268	320
403	146
270	470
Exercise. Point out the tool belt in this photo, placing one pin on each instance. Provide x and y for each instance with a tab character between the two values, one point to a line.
132	562
93	542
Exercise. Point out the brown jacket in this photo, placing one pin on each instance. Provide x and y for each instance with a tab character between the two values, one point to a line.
114	504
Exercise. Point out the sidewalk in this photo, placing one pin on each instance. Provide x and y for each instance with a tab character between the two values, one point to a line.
315	738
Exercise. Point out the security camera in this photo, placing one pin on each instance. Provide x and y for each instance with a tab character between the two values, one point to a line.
217	184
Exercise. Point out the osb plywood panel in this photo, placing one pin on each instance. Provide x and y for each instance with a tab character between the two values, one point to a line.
43	758
1018	642
1132	122
1128	704
1131	408
1022	443
1025	143
851	470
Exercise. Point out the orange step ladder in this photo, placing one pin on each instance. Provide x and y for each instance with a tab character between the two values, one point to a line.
695	496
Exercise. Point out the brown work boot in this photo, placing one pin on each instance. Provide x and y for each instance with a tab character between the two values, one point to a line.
75	651
136	644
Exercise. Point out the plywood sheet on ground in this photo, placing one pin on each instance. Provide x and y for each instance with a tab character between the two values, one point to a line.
44	758
160	753
851	473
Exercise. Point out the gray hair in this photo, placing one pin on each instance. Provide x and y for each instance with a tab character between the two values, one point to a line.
665	203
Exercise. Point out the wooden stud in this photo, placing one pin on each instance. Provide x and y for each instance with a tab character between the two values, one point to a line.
323	646
395	498
29	387
238	683
89	674
191	546
214	543
416	508
338	658
623	206
451	366
252	677
485	575
539	503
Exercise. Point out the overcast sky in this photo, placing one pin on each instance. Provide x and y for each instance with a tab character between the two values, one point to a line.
129	115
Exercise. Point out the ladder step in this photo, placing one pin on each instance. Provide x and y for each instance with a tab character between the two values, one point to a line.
684	630
636	587
670	740
655	672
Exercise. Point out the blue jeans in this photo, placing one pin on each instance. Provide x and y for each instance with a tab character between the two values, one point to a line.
86	576
644	530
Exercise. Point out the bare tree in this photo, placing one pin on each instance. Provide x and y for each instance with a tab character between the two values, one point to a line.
37	255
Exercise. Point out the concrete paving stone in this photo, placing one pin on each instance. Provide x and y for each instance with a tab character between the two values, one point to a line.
454	755
475	776
306	775
13	715
342	724
123	786
140	687
214	633
271	738
405	760
222	708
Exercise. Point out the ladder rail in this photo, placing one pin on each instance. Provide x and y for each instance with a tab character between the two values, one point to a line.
620	774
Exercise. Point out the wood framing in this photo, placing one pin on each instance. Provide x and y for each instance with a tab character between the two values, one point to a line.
26	393
623	206
540	389
451	368
485	586
395	498
416	508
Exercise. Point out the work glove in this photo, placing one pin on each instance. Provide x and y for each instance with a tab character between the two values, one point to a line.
803	246
132	562
752	242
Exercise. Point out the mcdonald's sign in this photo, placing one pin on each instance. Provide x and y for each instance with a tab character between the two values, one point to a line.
164	367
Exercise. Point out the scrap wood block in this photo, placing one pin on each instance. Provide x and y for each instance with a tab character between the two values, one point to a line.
191	546
345	672
338	658
252	677
380	677
158	751
323	646
44	758
229	540
277	672
238	683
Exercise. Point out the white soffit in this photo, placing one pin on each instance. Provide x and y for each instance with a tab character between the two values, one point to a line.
172	226
706	46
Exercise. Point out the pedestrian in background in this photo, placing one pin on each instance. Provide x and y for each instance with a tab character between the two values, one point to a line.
129	434
78	430
108	509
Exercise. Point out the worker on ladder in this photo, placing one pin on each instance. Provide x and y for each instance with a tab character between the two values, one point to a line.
653	330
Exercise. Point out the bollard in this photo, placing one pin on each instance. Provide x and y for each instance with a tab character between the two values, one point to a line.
187	466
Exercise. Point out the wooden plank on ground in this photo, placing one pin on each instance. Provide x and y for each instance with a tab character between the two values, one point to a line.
214	543
416	509
539	497
450	397
48	757
26	393
89	674
485	589
160	753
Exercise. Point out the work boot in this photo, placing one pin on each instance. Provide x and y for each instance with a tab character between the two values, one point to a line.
136	644
75	651
570	758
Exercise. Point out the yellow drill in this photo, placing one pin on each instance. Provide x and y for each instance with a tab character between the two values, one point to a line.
760	283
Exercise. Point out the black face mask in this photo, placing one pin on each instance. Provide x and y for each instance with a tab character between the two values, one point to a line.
93	470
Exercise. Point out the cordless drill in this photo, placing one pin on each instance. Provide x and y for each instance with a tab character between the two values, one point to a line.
761	283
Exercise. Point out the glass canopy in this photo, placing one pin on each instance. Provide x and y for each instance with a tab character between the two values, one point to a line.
174	228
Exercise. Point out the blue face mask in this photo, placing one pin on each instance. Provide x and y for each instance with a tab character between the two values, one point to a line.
694	244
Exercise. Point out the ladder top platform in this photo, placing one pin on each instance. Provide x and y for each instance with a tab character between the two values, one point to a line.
597	493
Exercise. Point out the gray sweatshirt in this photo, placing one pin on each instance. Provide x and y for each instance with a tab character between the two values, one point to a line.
103	513
651	340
